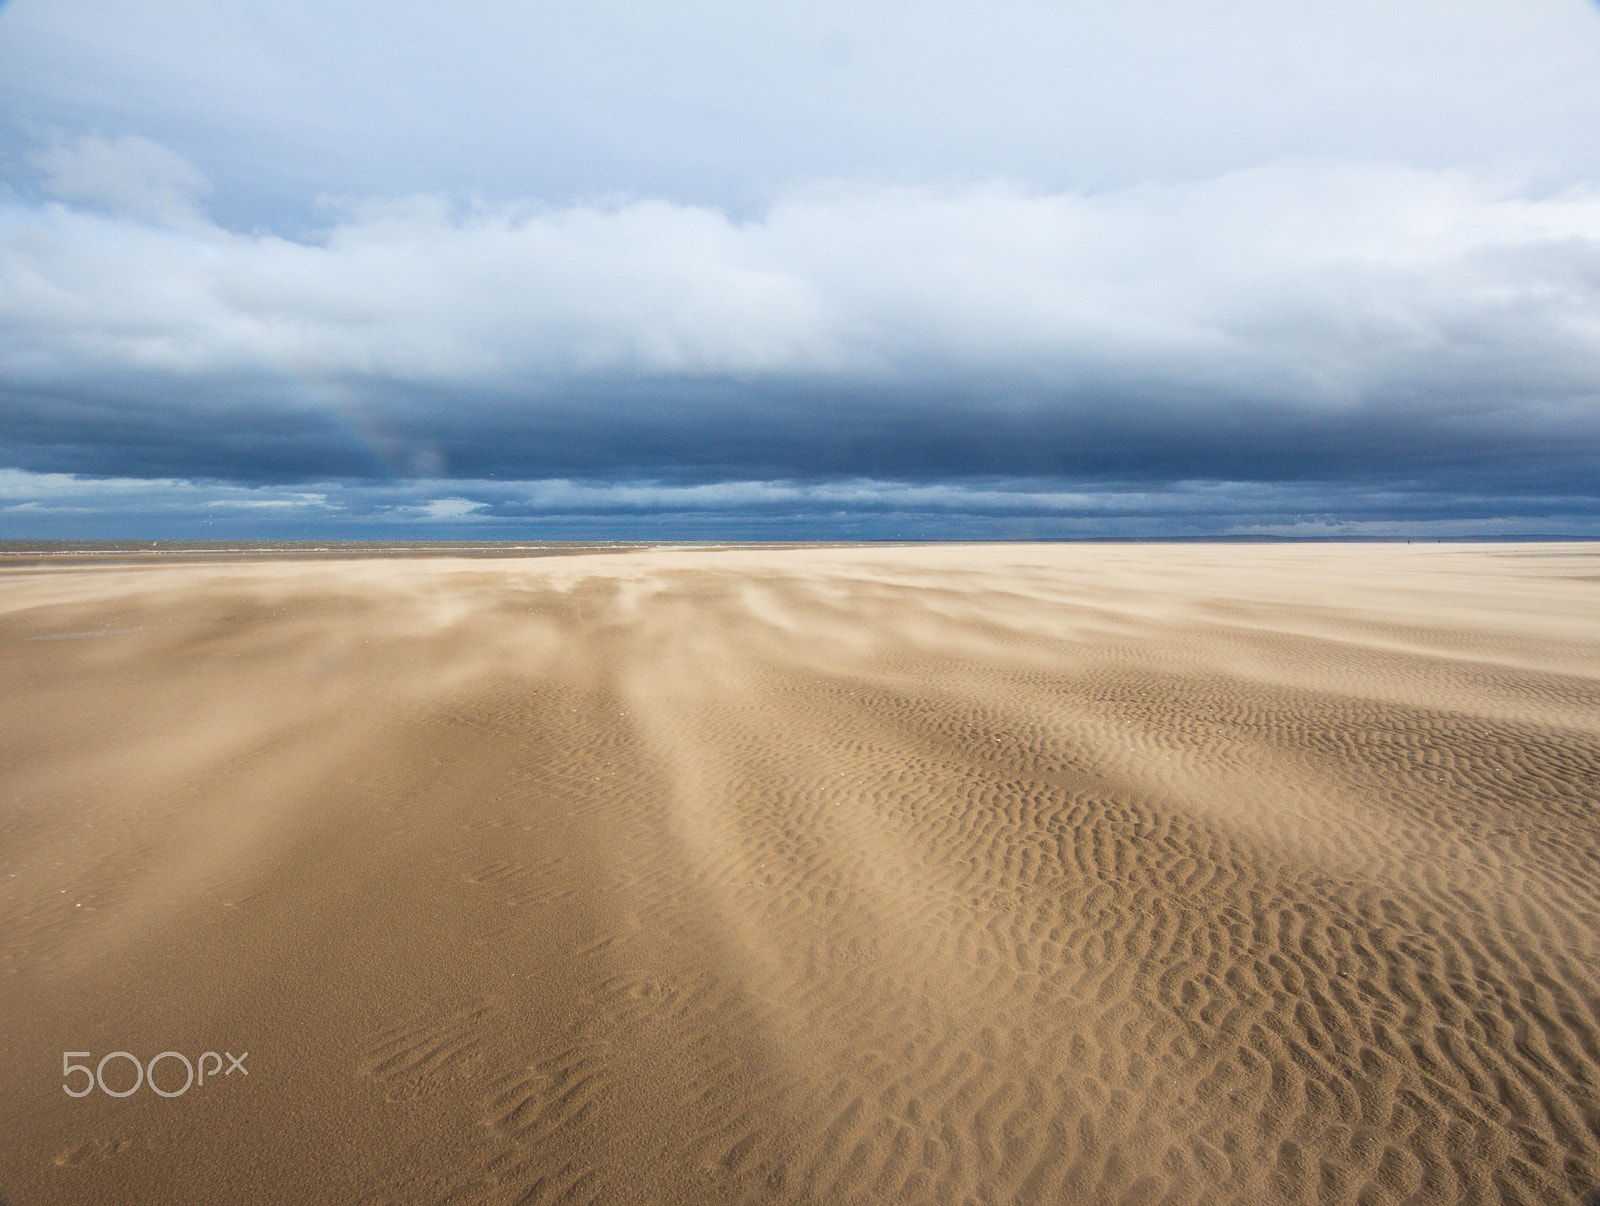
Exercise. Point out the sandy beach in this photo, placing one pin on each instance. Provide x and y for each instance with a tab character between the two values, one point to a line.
987	874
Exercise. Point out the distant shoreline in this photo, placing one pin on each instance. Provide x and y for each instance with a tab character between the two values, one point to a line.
499	548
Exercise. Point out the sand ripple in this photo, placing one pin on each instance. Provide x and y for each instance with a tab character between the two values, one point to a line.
963	874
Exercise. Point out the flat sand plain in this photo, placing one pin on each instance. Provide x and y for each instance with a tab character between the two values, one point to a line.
992	874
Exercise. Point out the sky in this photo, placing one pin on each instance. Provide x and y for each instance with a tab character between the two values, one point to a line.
878	270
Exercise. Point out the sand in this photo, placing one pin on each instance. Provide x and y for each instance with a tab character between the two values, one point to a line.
1139	874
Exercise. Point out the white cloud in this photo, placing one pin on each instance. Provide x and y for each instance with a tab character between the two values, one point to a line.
1312	283
295	500
721	102
130	176
54	505
69	492
44	488
446	508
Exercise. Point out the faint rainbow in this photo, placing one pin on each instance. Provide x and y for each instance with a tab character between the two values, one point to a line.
392	452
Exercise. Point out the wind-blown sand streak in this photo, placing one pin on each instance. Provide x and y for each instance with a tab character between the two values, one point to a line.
971	873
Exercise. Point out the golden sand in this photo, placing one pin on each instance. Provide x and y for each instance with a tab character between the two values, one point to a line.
992	874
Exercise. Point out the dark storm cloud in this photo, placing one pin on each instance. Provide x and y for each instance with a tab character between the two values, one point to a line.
670	431
774	430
